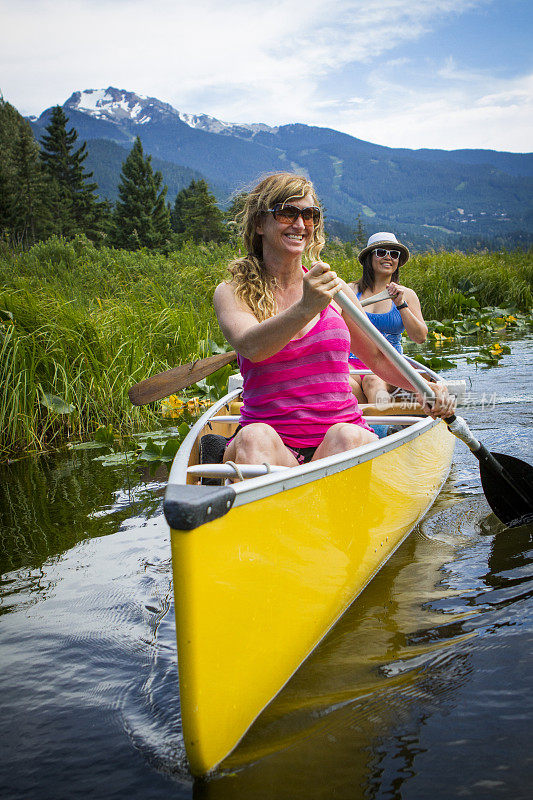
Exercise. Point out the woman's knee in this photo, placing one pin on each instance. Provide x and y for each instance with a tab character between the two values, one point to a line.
373	383
348	435
257	432
253	442
376	389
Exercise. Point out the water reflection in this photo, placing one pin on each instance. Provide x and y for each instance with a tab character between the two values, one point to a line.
89	682
50	504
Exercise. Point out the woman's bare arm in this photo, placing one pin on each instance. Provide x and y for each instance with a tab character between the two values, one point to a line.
412	318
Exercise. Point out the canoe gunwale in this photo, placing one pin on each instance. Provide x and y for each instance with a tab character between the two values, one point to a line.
178	470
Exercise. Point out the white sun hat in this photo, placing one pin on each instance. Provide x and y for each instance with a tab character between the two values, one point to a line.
384	239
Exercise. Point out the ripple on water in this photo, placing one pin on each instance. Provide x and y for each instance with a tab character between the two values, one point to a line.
103	647
428	667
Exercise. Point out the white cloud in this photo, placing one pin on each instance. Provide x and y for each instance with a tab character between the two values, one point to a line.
184	48
446	114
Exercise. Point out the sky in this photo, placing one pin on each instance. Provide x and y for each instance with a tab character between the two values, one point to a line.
403	73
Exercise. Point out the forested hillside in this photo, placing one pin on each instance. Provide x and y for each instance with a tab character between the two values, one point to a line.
433	198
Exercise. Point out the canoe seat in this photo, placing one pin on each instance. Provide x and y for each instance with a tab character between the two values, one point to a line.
211	451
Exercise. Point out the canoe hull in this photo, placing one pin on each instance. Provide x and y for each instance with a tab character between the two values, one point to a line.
257	589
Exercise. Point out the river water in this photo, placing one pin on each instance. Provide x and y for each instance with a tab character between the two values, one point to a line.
423	689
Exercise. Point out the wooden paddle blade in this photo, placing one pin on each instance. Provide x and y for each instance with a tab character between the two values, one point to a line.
166	383
509	489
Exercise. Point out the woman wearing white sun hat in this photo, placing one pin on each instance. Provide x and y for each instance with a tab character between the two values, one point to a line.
381	260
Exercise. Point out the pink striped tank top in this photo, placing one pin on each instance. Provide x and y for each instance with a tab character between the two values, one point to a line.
303	389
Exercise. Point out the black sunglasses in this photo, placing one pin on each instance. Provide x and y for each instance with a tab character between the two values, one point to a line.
381	253
288	214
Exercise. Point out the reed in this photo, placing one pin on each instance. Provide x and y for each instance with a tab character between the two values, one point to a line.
79	325
65	369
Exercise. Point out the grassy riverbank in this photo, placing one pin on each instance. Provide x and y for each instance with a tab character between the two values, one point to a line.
79	325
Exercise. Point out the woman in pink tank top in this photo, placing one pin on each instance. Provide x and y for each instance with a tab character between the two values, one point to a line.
292	340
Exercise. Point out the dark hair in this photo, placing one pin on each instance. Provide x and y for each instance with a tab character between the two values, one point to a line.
368	279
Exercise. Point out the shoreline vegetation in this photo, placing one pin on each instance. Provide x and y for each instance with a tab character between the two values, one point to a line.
80	324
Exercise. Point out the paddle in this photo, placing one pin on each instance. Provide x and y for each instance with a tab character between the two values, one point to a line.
165	383
507	481
173	380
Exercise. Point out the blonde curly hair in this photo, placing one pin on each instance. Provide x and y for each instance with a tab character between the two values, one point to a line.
253	285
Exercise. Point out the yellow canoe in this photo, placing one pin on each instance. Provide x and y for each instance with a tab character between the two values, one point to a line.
264	567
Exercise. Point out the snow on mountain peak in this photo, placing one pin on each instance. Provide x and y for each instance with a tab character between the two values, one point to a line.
119	105
213	125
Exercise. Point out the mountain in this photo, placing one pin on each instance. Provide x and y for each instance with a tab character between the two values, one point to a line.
430	197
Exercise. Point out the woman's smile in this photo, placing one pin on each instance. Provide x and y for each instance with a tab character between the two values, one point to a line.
386	262
297	237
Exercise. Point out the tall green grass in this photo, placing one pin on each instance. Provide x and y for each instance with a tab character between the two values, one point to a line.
87	358
83	324
502	278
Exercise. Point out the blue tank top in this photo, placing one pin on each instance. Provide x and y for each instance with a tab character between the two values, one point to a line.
389	324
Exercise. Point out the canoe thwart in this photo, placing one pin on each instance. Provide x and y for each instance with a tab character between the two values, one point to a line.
187	507
231	470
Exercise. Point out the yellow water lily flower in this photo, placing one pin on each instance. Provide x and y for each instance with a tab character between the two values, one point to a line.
496	350
172	407
173	402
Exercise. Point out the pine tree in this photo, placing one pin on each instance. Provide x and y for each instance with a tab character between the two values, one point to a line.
74	204
360	234
31	215
24	215
9	129
141	217
176	215
197	216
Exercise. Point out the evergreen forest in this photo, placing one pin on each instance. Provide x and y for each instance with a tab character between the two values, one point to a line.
46	190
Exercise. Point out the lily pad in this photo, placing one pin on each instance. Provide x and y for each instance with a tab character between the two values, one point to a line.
86	445
115	459
56	404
